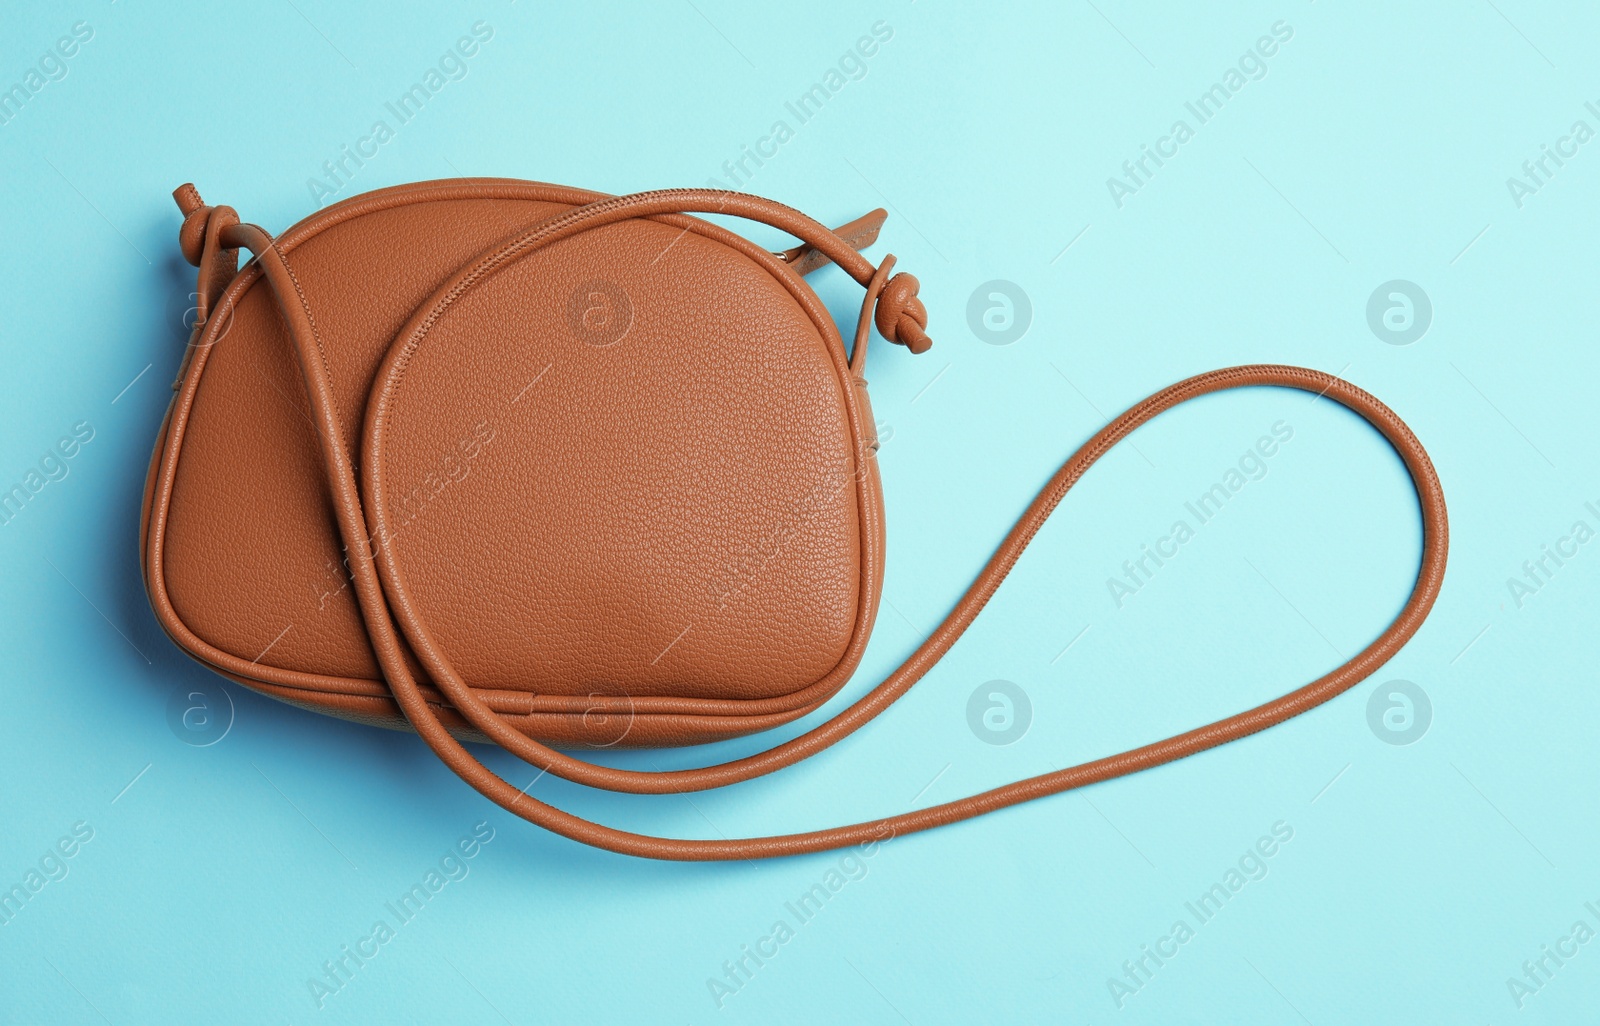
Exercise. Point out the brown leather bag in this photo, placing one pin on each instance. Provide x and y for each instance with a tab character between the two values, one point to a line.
503	461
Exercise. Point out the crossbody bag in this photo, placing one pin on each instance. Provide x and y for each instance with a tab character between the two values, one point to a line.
499	461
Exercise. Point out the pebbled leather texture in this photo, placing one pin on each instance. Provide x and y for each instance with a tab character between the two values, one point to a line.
669	512
672	514
545	428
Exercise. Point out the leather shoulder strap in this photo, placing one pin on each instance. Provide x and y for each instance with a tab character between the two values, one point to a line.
900	317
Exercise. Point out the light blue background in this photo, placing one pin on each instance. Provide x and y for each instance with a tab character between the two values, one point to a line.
1378	146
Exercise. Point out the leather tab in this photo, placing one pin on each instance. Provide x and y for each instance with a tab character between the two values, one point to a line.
860	233
869	441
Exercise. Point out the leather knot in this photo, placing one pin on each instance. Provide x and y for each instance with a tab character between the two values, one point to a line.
197	219
900	315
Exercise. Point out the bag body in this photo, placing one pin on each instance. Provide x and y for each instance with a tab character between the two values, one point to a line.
636	514
510	462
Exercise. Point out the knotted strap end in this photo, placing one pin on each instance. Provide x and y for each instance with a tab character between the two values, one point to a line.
201	239
900	315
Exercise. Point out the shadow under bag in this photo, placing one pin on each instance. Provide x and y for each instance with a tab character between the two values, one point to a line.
502	461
